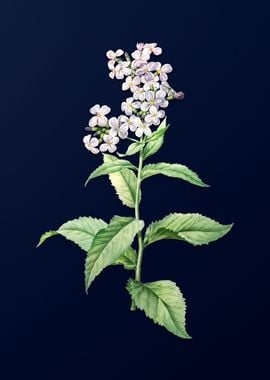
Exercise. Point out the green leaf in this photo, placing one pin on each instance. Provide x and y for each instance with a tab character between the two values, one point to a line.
156	140
163	302
109	244
195	229
80	231
128	259
124	182
174	171
132	149
110	167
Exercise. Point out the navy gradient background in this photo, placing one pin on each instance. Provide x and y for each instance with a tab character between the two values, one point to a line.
53	68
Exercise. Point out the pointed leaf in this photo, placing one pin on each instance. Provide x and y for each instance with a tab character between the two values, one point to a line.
156	140
128	259
195	229
173	170
110	167
109	244
163	302
133	148
80	231
124	182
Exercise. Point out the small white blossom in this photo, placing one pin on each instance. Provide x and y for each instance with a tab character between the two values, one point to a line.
118	129
139	94
91	143
154	116
99	119
109	143
142	129
153	48
131	83
151	100
113	55
163	70
146	69
120	70
153	84
161	99
129	105
131	122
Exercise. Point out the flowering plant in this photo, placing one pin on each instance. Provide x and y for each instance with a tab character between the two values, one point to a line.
143	117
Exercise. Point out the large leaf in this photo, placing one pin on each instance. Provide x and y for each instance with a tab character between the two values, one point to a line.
80	231
128	259
132	149
156	140
172	170
124	182
192	228
110	167
161	301
109	244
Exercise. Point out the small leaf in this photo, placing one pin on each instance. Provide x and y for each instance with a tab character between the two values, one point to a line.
156	140
110	167
163	302
109	244
80	231
195	229
128	259
174	171
124	182
132	149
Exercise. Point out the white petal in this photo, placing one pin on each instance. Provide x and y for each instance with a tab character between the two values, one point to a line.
123	119
111	65
94	150
136	54
136	80
113	132
147	131
119	52
86	139
126	71
113	122
156	121
157	51
102	121
153	110
95	109
164	104
161	114
115	140
148	118
94	141
150	95
139	132
110	54
167	68
119	75
137	105
112	148
163	77
123	134
111	75
104	110
145	106
160	94
158	65
103	147
93	121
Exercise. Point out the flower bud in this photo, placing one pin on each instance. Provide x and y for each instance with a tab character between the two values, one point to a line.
179	95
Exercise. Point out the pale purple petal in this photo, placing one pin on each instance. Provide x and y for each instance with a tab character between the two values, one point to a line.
104	110
95	109
93	121
102	121
113	122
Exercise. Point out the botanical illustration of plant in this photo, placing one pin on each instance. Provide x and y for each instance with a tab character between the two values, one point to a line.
144	124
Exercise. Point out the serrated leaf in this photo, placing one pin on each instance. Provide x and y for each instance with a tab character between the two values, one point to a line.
128	259
195	229
110	167
156	140
172	170
124	183
109	244
132	149
80	231
163	302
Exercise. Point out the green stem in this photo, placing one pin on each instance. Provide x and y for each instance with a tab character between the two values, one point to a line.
137	217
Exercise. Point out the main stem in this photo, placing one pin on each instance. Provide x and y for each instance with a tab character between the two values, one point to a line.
137	217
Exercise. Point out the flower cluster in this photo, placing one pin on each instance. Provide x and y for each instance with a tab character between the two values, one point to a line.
147	80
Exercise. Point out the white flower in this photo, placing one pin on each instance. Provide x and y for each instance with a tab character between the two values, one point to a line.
131	122
129	105
91	143
165	87
143	129
113	55
141	55
153	48
163	70
139	94
154	116
100	118
109	143
117	128
146	70
120	70
151	100
131	83
161	99
152	84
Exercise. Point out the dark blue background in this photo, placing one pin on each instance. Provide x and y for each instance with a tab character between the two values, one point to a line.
53	68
